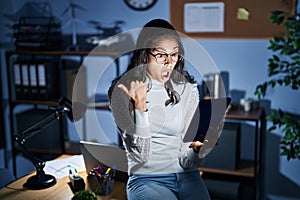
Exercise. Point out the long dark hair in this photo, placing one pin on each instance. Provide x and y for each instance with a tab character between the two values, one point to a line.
152	32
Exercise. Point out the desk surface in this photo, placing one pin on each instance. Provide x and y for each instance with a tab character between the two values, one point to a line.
253	115
61	190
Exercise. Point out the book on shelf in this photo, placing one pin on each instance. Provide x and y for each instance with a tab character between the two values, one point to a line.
33	80
25	81
18	80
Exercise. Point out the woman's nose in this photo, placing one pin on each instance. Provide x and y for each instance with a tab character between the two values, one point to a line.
169	59
169	65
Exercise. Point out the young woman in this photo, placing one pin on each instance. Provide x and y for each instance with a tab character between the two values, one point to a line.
153	103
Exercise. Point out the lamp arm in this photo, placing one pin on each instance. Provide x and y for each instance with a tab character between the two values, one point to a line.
21	138
42	180
38	164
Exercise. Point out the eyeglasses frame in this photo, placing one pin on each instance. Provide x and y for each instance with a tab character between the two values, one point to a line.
167	56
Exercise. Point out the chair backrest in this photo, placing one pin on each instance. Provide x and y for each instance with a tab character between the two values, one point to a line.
6	177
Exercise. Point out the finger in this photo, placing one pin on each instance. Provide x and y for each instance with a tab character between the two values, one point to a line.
137	85
196	144
143	85
132	85
122	87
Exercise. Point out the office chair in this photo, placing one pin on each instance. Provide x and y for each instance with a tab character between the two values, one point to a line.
6	177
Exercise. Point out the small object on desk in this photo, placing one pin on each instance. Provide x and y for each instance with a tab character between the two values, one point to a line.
76	181
101	180
249	104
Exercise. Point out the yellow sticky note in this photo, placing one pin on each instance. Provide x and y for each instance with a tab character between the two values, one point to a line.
243	14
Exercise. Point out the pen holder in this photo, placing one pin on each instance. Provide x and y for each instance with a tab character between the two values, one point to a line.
101	184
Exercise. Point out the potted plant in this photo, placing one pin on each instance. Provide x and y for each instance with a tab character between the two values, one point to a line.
284	70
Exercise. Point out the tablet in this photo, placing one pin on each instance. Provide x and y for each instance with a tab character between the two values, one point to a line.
210	112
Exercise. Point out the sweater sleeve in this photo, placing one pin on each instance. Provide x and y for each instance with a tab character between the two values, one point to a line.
133	126
138	144
188	159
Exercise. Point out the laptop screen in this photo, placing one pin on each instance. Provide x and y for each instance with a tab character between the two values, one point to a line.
95	154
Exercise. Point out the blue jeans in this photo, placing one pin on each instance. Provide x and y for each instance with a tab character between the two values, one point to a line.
182	186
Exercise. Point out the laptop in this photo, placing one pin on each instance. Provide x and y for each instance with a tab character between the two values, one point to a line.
95	154
210	112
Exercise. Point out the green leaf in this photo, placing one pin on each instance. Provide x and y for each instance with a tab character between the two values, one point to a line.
272	83
84	194
280	112
276	58
272	128
295	85
277	17
296	44
287	80
284	153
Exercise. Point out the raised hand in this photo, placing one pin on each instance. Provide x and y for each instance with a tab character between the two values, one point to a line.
137	92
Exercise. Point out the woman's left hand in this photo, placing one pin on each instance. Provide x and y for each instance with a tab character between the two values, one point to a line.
196	145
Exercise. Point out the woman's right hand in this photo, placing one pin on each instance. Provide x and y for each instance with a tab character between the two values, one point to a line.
137	92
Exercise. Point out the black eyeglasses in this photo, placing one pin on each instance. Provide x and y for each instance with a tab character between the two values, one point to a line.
161	58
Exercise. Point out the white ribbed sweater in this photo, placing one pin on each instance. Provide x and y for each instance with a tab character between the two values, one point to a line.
156	146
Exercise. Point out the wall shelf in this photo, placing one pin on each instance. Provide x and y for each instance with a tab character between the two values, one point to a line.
245	169
56	56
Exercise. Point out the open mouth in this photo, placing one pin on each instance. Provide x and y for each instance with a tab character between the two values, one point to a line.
166	75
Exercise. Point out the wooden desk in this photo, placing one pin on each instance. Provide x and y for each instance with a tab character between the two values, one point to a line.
61	190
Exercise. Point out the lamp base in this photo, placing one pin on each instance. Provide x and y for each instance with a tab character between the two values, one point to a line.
40	181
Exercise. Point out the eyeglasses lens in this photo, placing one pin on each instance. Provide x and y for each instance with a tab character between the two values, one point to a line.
161	58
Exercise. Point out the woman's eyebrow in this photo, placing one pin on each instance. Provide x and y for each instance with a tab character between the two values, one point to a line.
162	49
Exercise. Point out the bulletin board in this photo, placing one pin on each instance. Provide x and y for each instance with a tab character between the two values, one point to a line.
241	19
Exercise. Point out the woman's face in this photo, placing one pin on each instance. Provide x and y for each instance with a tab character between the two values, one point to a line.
162	59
